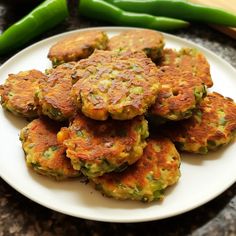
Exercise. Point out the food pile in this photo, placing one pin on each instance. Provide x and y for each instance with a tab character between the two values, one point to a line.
119	111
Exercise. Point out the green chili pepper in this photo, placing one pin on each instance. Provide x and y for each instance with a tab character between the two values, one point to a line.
45	16
180	9
101	10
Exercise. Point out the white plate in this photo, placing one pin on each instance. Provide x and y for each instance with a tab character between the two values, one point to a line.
203	177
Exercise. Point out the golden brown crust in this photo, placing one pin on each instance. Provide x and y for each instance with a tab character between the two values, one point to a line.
154	171
101	137
212	125
39	141
182	79
149	41
17	94
151	161
123	85
189	60
78	46
54	94
103	145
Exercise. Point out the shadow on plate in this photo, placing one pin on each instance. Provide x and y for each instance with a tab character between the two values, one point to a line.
198	159
86	195
17	122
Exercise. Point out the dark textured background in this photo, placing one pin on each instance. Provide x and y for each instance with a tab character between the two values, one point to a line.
21	216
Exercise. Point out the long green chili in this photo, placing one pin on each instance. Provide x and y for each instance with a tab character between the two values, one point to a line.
180	9
102	10
45	16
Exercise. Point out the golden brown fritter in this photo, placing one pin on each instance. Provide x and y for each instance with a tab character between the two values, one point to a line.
42	151
146	179
122	85
77	46
183	76
53	95
17	94
211	126
191	60
149	41
97	147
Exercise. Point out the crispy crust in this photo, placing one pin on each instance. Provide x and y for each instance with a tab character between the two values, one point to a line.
149	41
43	153
78	46
54	98
97	147
148	177
17	94
182	76
211	126
190	60
122	85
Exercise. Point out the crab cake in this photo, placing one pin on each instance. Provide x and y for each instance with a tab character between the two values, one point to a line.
78	46
183	76
97	147
17	94
211	126
149	41
122	85
42	151
53	96
146	179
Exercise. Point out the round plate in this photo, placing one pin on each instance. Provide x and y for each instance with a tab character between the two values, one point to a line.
203	177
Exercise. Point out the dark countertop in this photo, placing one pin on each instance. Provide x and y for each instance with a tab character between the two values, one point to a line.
21	216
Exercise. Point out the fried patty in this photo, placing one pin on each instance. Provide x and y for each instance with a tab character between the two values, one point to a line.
17	94
98	147
183	76
122	85
78	46
53	96
149	41
191	60
42	151
211	126
146	179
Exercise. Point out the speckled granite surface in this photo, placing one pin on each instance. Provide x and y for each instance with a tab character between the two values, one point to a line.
21	216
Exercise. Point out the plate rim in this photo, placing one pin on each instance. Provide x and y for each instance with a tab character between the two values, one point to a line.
106	219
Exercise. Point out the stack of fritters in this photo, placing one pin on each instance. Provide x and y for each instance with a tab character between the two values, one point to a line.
104	99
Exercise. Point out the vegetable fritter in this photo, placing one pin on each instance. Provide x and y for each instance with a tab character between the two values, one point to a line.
17	94
211	126
97	147
146	179
42	151
149	41
78	46
183	76
122	85
53	95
